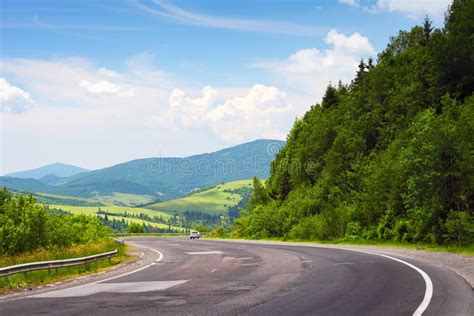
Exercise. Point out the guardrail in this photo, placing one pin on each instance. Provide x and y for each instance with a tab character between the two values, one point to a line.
149	234
55	264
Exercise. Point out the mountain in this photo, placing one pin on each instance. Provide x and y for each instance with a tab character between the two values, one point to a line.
55	169
164	178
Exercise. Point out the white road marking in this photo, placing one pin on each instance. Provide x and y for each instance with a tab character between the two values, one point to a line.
249	264
212	252
244	258
428	283
213	270
350	263
121	275
125	287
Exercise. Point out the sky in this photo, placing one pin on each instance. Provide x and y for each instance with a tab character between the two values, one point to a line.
95	83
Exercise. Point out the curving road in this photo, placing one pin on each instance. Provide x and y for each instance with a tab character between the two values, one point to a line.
208	277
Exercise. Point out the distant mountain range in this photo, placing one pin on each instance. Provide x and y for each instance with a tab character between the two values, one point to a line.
160	178
57	170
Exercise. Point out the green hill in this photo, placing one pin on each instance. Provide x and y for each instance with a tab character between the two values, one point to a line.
213	201
389	156
56	169
150	179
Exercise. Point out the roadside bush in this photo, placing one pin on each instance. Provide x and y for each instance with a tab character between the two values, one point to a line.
314	227
135	228
219	232
459	228
26	226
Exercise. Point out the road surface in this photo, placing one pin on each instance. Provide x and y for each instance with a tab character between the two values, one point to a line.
209	277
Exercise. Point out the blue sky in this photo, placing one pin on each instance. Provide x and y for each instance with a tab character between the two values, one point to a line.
94	83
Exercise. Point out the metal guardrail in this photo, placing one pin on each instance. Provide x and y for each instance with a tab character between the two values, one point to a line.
153	234
119	241
150	234
55	264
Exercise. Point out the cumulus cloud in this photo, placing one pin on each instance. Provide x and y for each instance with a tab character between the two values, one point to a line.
104	87
13	99
310	70
262	112
67	82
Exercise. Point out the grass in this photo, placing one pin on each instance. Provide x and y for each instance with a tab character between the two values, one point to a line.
92	210
125	199
40	277
66	200
213	201
116	198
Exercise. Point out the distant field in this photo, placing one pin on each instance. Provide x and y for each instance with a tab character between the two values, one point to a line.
116	198
92	210
140	221
66	200
125	199
212	201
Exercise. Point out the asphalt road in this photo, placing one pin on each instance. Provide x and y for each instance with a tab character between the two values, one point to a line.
208	277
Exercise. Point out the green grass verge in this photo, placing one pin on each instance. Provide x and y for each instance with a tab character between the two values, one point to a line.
212	201
41	277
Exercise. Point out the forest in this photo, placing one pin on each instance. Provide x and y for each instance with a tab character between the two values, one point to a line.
388	156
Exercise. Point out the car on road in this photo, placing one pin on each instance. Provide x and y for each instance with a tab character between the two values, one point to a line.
194	235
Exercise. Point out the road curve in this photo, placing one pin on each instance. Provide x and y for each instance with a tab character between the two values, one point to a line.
208	277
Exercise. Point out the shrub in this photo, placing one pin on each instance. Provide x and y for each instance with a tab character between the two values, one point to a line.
459	227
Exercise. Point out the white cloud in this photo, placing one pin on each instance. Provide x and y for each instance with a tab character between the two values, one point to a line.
107	73
310	70
414	8
262	113
104	87
13	99
191	111
349	2
99	87
353	44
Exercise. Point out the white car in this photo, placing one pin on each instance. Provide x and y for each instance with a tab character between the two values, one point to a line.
193	235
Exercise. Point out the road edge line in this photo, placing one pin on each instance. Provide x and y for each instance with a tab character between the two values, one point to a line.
428	283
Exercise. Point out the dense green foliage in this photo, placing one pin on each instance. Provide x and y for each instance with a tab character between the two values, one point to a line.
389	156
161	178
26	226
